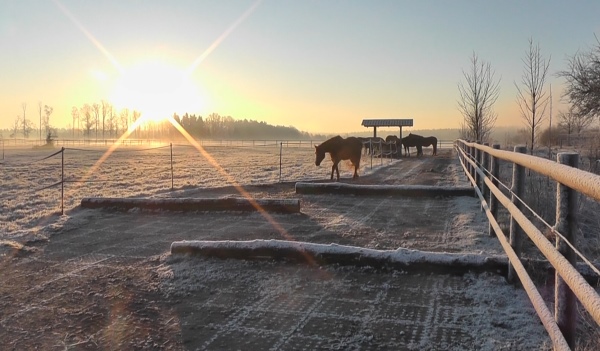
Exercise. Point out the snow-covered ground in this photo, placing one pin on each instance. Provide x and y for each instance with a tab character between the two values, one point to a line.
30	193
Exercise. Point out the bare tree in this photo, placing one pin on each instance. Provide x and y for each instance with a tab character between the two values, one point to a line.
88	122
15	128
135	115
532	97
25	123
40	111
572	122
478	93
96	117
105	109
124	119
75	115
583	81
566	122
47	112
111	121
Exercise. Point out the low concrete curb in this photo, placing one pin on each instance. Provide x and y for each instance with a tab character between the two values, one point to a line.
385	190
195	204
311	253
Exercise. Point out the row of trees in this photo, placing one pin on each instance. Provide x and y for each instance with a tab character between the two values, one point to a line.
102	120
24	126
480	90
216	126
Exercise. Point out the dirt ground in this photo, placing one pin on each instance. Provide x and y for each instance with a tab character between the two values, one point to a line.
105	279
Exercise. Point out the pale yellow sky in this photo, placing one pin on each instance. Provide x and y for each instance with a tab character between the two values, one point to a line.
318	66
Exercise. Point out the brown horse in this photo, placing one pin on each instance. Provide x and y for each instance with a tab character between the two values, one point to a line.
431	141
340	149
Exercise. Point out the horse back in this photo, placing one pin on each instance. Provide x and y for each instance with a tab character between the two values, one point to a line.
348	149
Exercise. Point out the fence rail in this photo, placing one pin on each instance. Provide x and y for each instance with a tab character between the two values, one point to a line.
19	142
480	163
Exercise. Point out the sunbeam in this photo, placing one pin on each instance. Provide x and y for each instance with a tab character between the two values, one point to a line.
222	37
231	180
89	35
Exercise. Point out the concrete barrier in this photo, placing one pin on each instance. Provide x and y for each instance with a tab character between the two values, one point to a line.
384	190
196	204
321	254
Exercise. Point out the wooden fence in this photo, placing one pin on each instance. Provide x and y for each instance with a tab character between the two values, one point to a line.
481	165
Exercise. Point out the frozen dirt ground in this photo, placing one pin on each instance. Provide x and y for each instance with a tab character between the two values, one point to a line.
105	279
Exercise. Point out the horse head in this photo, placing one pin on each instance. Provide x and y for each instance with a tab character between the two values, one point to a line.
320	155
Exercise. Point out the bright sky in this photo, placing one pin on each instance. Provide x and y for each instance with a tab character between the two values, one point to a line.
321	66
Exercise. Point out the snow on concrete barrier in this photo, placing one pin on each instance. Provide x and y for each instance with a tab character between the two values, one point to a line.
397	190
312	253
196	204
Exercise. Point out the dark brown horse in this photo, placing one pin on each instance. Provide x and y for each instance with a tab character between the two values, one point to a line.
431	141
340	149
418	141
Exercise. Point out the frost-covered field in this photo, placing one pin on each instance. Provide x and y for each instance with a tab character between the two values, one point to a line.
30	193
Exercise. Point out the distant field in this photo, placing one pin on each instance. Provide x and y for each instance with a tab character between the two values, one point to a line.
141	171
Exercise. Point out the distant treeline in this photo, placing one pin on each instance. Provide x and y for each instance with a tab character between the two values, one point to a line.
214	126
226	127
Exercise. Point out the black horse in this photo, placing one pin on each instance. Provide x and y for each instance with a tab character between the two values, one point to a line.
418	141
413	140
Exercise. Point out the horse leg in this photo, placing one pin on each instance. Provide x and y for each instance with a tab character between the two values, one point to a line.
434	150
356	164
336	169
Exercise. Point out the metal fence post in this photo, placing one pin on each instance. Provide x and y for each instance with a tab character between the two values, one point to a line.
280	157
371	151
381	152
495	171
172	182
518	189
62	180
565	302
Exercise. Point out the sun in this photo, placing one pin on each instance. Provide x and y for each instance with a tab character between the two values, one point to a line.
156	89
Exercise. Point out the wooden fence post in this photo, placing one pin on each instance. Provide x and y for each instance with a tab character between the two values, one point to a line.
485	164
476	175
565	302
495	171
516	233
470	153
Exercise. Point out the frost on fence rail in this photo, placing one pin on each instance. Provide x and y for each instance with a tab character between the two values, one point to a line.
588	297
537	216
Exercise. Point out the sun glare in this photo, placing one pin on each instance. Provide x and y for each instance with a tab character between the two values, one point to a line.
157	90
